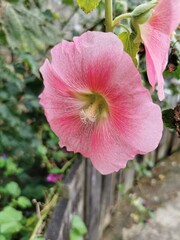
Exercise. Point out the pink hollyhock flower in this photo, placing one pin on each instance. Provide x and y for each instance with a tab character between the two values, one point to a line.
95	103
54	177
155	34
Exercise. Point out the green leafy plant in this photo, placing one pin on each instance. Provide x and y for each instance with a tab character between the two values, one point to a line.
141	212
144	168
78	228
26	33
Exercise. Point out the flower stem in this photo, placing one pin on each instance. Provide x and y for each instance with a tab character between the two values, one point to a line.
108	16
121	25
44	214
119	18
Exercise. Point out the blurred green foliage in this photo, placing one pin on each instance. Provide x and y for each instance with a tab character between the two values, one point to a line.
28	148
78	228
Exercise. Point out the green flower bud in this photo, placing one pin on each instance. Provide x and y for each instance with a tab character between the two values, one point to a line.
143	12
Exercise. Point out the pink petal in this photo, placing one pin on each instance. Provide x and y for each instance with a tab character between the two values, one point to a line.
156	38
166	16
156	46
57	99
131	130
100	66
74	134
109	152
83	68
62	112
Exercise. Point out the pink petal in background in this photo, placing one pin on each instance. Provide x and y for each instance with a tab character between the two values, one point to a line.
156	37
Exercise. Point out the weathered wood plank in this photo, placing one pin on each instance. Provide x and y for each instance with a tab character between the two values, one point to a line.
72	202
92	200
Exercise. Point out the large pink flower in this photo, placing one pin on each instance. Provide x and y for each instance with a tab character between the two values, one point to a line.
155	34
95	103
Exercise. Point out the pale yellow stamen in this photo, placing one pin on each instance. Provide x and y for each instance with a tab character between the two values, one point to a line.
95	108
89	114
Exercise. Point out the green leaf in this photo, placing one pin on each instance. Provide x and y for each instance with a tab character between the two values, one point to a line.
67	2
10	220
24	202
2	162
13	189
75	236
42	150
79	225
31	62
130	47
2	237
10	227
27	29
10	214
168	118
88	5
147	173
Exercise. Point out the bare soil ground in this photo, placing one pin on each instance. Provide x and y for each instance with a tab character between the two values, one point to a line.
155	211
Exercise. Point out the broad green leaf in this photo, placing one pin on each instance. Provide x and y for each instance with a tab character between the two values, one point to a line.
10	227
75	235
88	5
67	2
79	225
13	189
10	214
24	202
2	237
27	29
31	62
168	118
130	47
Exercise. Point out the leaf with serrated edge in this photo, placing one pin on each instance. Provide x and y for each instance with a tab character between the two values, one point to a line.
88	5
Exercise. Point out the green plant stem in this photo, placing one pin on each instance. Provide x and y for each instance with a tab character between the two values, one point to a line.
121	25
44	214
119	18
108	16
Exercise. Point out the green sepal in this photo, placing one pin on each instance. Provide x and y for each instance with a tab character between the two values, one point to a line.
143	12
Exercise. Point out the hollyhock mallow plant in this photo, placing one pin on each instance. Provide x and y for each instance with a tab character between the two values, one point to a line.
155	34
95	103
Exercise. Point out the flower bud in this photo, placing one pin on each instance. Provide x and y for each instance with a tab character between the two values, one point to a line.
143	12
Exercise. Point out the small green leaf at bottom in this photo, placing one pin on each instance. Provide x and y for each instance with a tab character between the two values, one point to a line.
2	237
